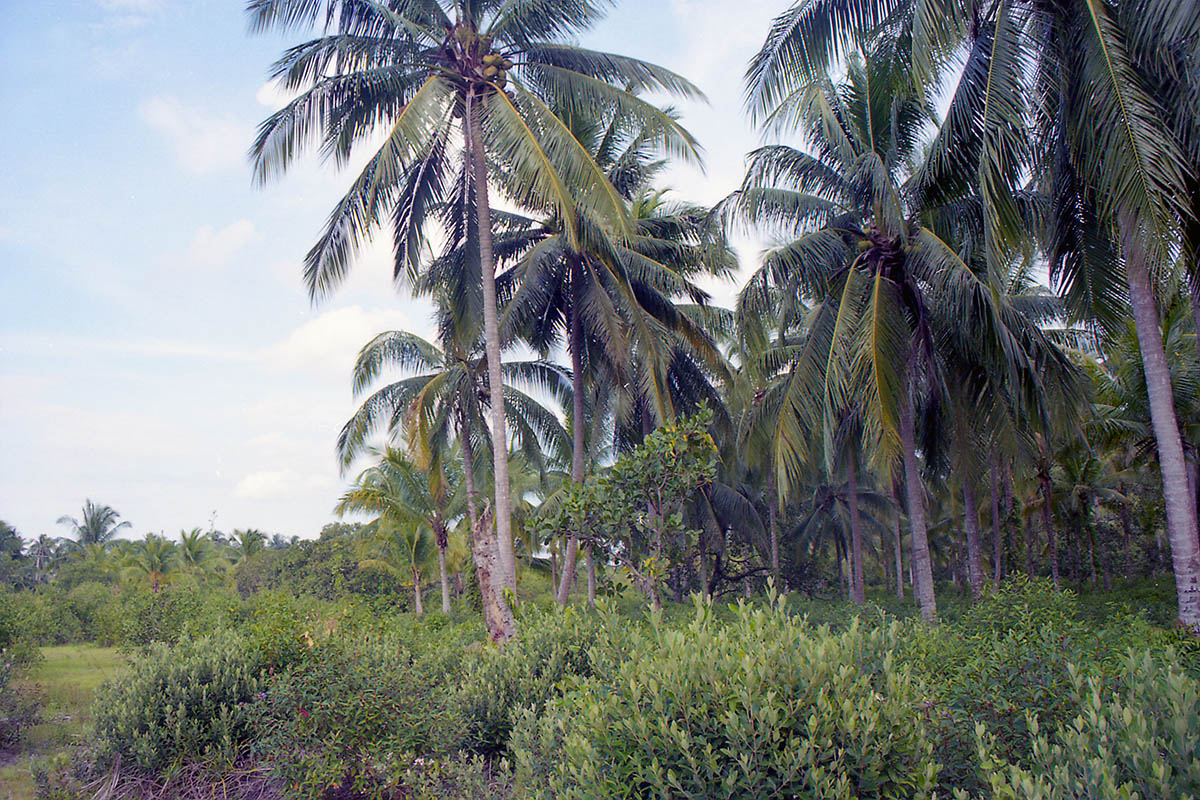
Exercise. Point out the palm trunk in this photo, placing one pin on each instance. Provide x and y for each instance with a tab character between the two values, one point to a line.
1048	521
921	562
1181	509
444	574
997	555
577	453
899	539
591	576
417	605
1127	530
497	616
974	545
858	590
773	525
507	572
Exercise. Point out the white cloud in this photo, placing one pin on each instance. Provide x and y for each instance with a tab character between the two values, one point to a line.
330	342
213	248
279	484
203	142
273	96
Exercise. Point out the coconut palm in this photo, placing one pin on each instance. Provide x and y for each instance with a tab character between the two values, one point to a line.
440	73
97	524
197	553
886	263
1113	97
154	557
409	521
246	543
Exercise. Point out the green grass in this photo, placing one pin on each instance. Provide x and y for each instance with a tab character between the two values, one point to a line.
67	679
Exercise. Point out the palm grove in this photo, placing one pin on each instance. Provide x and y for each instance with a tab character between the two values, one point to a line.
894	383
896	397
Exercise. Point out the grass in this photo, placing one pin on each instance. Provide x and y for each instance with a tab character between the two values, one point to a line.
67	679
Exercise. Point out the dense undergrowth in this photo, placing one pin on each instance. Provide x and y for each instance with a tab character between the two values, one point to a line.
1030	693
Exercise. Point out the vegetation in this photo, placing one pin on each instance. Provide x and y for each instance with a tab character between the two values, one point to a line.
958	507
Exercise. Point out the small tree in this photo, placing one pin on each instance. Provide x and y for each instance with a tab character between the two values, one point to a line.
634	511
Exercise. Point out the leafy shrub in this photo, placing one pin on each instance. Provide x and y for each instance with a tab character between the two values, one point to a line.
526	673
180	703
763	705
1007	654
183	609
355	710
19	707
1139	740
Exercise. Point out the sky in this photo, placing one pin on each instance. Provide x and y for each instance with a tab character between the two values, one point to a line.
158	352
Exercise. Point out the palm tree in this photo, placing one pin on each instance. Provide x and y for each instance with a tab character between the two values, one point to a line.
97	525
445	401
155	557
196	552
1113	146
247	543
885	260
435	73
409	520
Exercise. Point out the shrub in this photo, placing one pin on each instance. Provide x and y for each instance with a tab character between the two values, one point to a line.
1139	740
353	713
180	703
763	705
19	707
526	673
1009	653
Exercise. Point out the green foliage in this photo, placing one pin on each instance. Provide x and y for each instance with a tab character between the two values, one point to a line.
181	703
1136	737
764	705
19	707
1009	654
527	673
181	609
634	511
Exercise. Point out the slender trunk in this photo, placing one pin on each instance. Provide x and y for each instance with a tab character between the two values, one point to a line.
445	575
1028	530
497	615
417	605
921	563
591	577
858	590
507	572
997	550
577	454
1048	521
1181	508
773	525
1127	530
896	496
974	545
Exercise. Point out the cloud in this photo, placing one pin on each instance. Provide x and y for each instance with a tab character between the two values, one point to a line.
274	96
330	342
203	142
214	248
278	484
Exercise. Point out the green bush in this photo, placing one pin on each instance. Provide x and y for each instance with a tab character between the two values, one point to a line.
19	707
181	703
761	706
1137	740
526	673
1008	654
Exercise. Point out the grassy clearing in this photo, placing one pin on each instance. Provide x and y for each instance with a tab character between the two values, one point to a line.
67	679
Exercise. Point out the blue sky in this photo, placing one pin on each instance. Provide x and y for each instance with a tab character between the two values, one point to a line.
157	351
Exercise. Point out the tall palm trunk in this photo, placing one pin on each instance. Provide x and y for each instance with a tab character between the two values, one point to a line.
922	565
974	544
417	605
858	589
1181	509
577	454
507	572
442	542
773	525
1048	521
997	555
497	616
